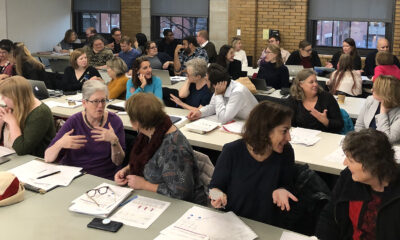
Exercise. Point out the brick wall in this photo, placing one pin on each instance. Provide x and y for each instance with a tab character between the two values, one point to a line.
396	34
131	17
287	16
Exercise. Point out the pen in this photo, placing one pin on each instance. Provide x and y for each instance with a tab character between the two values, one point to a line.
127	201
47	175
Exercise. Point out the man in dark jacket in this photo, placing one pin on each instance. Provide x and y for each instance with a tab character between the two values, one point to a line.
168	43
370	64
366	199
202	40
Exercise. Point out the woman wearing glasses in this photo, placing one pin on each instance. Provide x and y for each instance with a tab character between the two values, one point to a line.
93	139
304	56
162	159
158	60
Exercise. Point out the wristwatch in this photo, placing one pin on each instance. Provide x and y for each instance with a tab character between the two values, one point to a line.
115	142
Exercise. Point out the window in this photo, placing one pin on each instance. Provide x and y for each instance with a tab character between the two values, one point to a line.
175	15
103	22
104	15
365	34
181	26
331	22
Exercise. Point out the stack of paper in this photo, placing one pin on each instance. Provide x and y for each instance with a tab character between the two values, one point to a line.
103	204
202	126
336	156
178	78
234	127
30	171
120	106
304	136
295	236
52	104
140	212
200	224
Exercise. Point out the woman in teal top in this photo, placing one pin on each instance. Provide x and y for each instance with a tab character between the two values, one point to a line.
142	79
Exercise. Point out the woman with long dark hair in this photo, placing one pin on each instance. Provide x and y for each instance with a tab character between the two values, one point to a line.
143	80
349	47
226	59
345	80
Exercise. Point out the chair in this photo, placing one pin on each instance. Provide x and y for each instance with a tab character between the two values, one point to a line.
206	169
348	125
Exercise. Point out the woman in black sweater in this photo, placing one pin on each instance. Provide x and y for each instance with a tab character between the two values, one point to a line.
313	108
26	65
254	173
272	69
79	72
349	47
304	56
226	59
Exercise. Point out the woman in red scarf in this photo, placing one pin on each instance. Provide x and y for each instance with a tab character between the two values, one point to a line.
162	159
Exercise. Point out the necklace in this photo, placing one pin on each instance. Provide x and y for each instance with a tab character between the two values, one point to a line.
90	125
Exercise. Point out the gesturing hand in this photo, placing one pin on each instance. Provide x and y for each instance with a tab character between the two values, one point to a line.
73	142
322	117
175	99
219	202
104	134
281	198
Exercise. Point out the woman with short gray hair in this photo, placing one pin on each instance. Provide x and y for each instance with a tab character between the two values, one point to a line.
116	69
195	92
93	139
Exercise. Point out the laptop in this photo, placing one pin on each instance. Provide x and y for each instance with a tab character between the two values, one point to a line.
164	76
39	89
294	69
261	86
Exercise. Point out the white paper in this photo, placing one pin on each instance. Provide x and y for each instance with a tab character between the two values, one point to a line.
181	122
365	78
140	212
294	236
119	104
234	127
202	126
52	104
397	153
178	78
30	171
200	223
304	136
107	202
6	151
77	97
336	156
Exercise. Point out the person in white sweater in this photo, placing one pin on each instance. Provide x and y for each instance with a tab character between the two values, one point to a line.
239	53
345	80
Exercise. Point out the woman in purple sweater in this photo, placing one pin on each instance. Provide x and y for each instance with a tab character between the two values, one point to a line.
93	139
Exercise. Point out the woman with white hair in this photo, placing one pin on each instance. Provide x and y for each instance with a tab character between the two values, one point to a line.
93	139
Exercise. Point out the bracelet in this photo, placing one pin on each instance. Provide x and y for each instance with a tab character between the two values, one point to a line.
115	142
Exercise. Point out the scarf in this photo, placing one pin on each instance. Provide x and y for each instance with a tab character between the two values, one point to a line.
143	149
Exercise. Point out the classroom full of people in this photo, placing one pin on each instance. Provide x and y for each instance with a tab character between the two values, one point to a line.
256	176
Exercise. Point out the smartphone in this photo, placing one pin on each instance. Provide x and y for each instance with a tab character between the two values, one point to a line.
4	159
97	223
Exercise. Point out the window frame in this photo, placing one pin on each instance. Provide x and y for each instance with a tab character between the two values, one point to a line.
78	22
312	33
156	25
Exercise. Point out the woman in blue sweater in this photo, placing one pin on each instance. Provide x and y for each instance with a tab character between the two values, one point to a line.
253	174
142	79
272	69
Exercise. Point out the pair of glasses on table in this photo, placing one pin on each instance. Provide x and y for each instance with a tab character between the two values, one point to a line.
101	191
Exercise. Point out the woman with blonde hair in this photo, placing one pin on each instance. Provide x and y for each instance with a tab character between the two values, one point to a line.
272	69
26	65
313	107
116	69
240	54
381	111
345	80
27	123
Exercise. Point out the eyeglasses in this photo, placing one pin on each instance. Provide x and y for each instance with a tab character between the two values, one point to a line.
307	50
96	102
153	48
100	191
